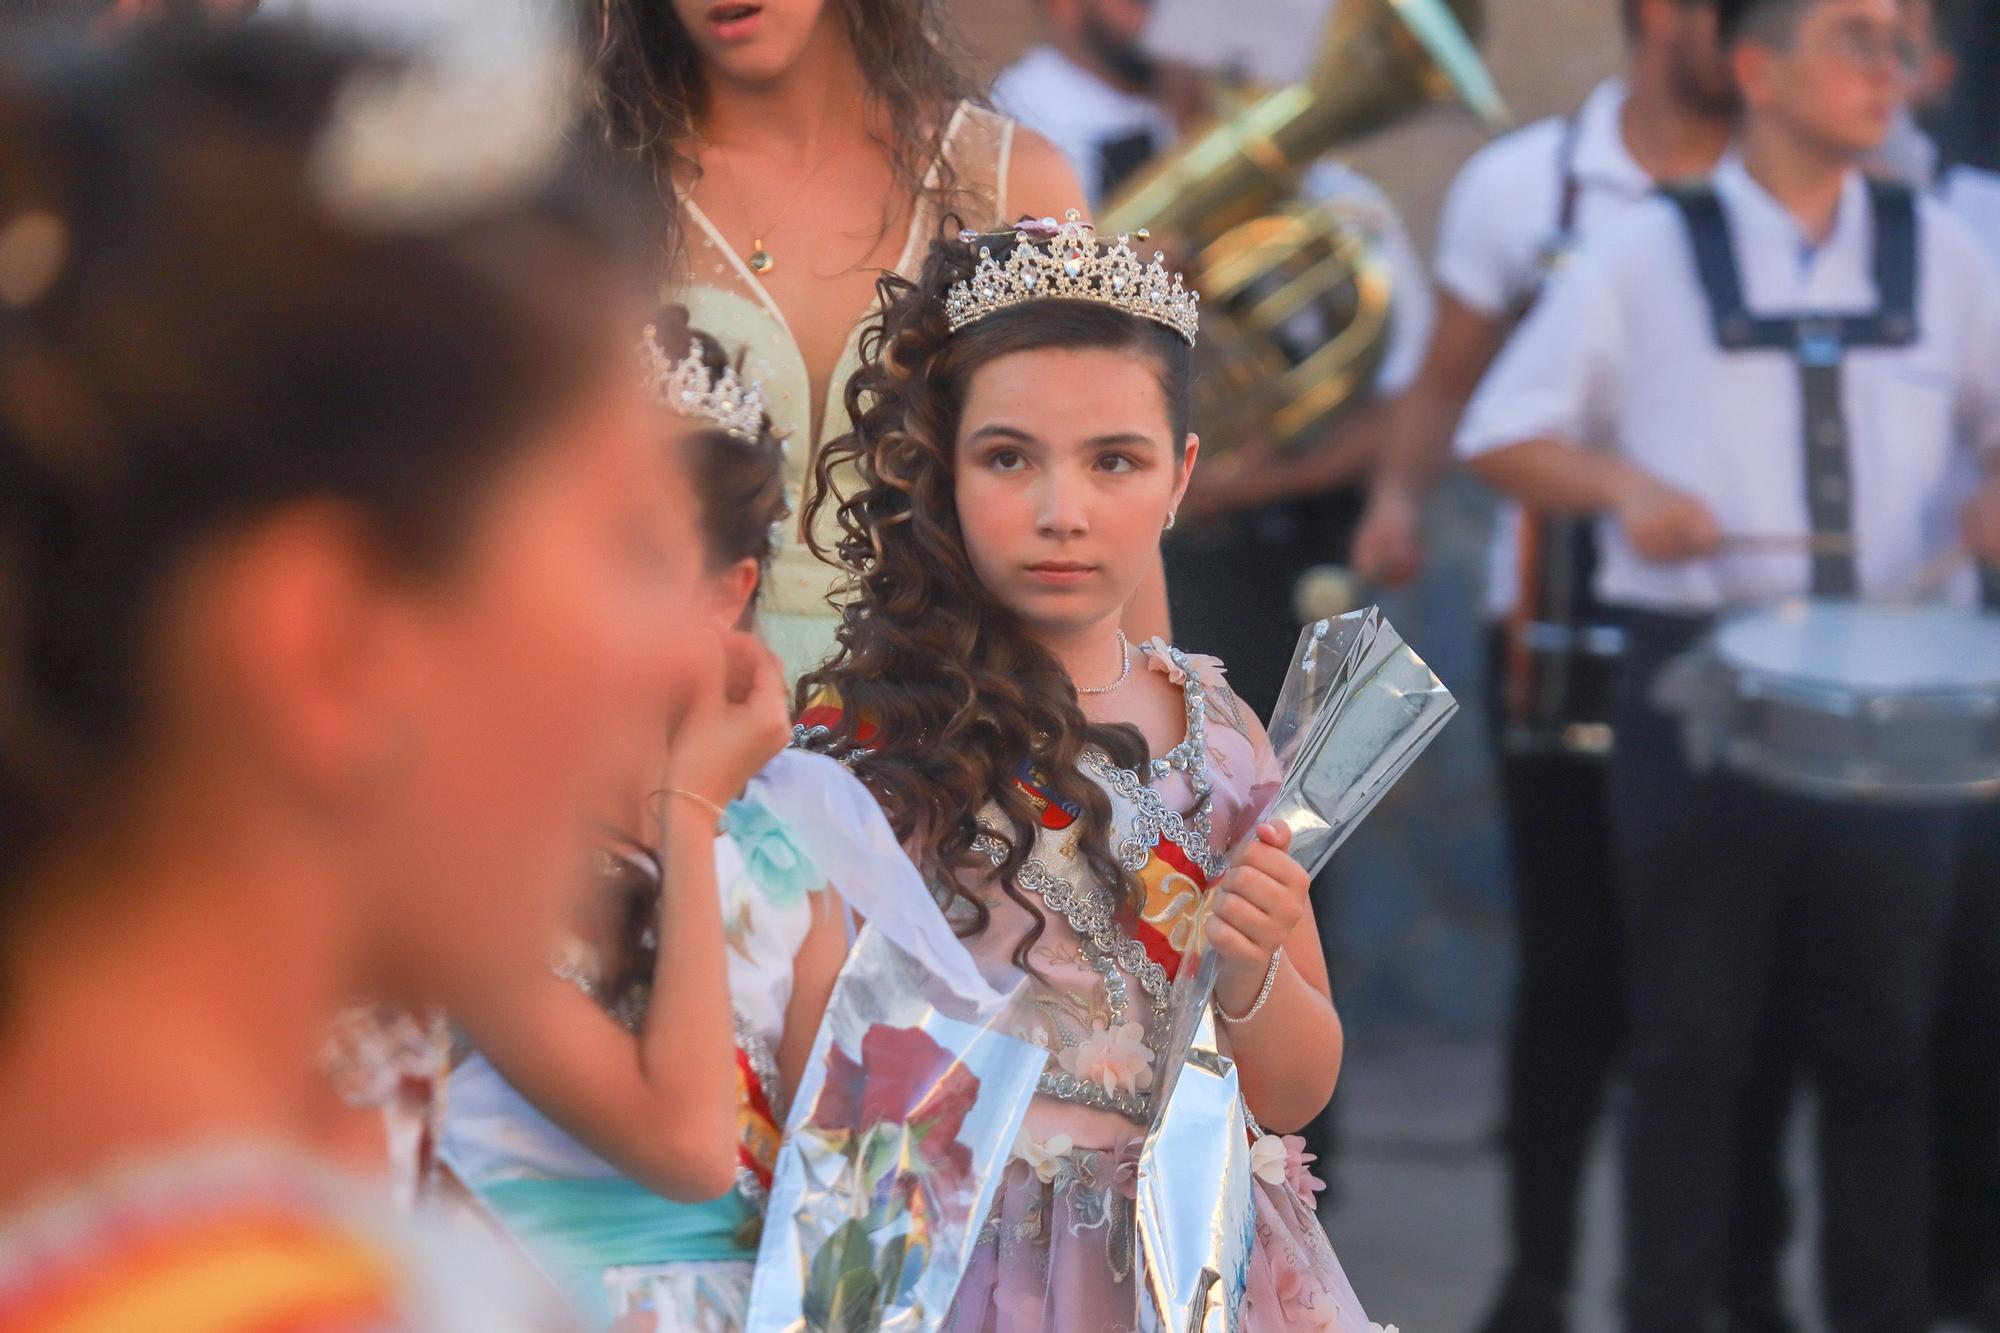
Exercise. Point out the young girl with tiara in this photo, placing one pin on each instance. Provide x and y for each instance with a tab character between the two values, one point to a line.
1020	444
566	1123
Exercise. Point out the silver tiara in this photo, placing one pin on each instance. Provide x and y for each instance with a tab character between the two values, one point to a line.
731	404
1064	261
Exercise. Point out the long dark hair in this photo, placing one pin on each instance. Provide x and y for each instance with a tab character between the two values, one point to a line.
647	89
960	699
190	338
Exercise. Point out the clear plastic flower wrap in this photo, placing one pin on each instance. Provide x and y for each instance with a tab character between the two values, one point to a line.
1356	710
902	1125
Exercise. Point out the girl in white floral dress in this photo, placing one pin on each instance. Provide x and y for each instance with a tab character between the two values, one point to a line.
570	1120
1022	444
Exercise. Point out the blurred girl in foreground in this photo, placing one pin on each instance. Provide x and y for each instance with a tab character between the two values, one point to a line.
334	563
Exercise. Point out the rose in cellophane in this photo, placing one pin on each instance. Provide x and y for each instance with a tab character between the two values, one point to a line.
903	1122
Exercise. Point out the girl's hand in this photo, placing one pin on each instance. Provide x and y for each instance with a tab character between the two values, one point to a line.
1263	899
737	721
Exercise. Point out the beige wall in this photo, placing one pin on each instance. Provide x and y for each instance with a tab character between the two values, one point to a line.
1544	54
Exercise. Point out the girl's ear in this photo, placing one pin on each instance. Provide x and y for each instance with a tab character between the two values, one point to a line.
1186	468
730	592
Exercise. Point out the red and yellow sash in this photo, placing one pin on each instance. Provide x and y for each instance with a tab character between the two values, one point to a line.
757	1129
1175	887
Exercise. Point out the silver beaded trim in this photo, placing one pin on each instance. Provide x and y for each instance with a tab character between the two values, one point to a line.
1153	821
1092	912
1094	918
1082	1092
820	740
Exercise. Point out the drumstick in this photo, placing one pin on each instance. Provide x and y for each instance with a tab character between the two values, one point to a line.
1788	543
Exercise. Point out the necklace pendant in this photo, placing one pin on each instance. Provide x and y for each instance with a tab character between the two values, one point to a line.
761	261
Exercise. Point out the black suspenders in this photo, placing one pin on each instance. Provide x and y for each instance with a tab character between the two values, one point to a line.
1819	343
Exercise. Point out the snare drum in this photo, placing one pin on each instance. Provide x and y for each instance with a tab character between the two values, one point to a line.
1897	704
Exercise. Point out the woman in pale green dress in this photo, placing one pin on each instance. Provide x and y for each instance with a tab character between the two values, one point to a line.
809	146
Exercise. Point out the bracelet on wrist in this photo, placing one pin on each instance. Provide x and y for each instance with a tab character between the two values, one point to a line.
721	815
1263	993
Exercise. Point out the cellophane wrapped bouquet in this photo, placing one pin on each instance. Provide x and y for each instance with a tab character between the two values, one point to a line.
1357	708
903	1122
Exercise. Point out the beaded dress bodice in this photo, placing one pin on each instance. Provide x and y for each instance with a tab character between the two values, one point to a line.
1103	969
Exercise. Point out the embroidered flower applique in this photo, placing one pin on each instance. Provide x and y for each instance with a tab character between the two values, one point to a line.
1298	1173
1209	670
1282	1159
1045	1157
782	870
1267	1159
1117	1059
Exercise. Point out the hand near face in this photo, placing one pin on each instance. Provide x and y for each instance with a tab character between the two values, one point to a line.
736	721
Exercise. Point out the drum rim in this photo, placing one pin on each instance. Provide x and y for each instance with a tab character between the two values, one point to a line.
1776	683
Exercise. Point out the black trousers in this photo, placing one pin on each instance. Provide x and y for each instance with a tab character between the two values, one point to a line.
1567	1033
1968	1068
1229	584
1742	904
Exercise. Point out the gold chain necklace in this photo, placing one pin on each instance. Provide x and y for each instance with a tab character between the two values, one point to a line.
761	259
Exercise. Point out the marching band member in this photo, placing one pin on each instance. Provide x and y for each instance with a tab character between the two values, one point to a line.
1759	388
1512	215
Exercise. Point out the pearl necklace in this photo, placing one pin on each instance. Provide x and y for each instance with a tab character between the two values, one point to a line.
1124	671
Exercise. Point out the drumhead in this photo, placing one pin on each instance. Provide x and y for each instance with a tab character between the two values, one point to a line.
1882	649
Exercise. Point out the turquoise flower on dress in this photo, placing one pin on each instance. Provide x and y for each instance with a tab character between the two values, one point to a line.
781	868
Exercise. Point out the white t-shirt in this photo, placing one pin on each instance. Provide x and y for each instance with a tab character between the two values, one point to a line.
1500	220
1621	354
1974	195
1080	113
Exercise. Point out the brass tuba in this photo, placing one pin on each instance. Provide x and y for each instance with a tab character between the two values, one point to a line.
1295	294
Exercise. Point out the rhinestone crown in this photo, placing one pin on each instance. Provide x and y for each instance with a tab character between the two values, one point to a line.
731	404
1064	261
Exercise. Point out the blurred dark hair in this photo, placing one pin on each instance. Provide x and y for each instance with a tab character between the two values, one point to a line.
212	343
647	88
960	699
1772	22
1628	12
740	484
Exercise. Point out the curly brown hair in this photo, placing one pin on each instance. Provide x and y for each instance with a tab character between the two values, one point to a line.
958	699
647	89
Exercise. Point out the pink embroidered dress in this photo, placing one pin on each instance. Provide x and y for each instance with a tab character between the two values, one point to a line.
1058	1249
